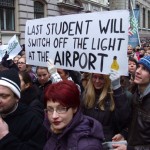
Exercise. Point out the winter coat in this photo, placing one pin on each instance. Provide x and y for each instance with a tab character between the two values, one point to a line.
113	122
139	129
82	133
41	90
30	97
26	132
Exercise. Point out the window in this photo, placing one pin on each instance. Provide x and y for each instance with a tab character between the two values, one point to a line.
38	10
149	19
144	23
7	18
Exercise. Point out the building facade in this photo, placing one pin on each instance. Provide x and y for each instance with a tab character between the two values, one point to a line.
144	25
15	13
144	19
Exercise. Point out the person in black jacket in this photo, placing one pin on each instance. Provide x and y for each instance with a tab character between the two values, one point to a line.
20	127
105	100
30	94
139	121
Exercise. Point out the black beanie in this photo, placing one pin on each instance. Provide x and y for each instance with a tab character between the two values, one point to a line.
10	79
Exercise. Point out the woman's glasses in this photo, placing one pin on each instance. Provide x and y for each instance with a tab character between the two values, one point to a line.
21	63
59	110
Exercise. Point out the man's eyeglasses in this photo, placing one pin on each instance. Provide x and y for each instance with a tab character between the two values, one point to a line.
59	110
21	63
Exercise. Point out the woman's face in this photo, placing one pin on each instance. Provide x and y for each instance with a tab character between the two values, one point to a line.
98	81
15	60
22	64
62	74
130	50
59	116
131	67
43	75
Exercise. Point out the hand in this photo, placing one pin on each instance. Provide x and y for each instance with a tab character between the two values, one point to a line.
118	137
119	147
6	56
51	67
3	128
115	79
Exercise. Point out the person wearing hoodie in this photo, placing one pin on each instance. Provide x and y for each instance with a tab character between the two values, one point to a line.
68	127
139	121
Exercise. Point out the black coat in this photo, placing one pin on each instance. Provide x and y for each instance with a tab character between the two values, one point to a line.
115	121
139	128
26	132
41	90
30	97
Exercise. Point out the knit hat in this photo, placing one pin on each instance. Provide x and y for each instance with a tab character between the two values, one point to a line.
10	79
145	61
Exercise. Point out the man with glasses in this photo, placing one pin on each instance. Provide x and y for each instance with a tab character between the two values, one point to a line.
20	127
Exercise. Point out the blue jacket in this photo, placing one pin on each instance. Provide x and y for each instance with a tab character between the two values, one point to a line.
82	133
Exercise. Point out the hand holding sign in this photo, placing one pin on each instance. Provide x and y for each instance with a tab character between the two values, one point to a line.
51	67
3	128
115	79
6	56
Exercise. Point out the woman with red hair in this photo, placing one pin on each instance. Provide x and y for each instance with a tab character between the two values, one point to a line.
68	127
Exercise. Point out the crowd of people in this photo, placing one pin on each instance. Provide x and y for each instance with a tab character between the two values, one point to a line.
49	108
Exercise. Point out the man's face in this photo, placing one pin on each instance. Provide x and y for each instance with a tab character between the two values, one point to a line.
7	100
142	76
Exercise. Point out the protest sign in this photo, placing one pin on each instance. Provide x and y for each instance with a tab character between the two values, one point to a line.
13	48
90	42
3	49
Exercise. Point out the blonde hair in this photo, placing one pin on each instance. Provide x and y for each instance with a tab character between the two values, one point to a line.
89	95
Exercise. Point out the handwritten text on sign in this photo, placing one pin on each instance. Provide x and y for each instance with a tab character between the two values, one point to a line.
83	42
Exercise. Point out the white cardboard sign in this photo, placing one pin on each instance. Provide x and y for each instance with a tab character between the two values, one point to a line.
86	42
13	48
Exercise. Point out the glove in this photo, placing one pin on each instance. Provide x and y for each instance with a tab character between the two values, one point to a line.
115	79
6	56
51	67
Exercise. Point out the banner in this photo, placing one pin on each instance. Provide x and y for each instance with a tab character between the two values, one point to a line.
133	29
13	48
89	42
3	49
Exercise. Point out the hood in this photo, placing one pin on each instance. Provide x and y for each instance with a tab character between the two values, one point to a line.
80	126
146	91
